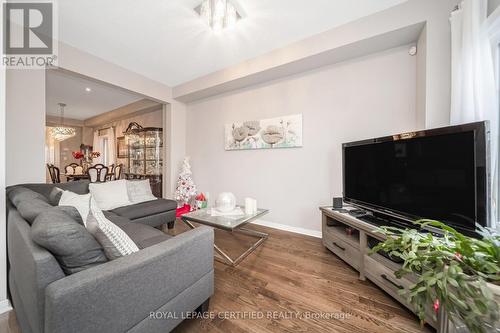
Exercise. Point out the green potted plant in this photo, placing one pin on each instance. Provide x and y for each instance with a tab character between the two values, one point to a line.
454	273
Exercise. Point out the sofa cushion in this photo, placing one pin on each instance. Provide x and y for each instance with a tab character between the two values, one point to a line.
73	213
115	242
55	196
69	241
30	209
81	202
116	219
79	187
139	191
142	235
110	195
19	194
153	240
148	208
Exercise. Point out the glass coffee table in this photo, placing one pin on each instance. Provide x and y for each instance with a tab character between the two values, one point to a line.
233	224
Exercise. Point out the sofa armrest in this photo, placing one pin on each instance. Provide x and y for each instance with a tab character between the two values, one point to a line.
115	296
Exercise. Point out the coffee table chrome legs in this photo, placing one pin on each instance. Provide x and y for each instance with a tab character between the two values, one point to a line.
224	257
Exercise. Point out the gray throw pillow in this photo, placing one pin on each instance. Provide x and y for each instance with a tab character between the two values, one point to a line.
55	195
30	209
71	244
73	213
20	194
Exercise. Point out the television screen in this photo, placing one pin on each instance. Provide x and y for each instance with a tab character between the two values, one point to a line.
433	175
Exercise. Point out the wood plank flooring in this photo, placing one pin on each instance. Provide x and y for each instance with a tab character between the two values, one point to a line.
297	286
291	283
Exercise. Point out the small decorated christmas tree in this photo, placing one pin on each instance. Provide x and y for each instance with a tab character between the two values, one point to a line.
185	188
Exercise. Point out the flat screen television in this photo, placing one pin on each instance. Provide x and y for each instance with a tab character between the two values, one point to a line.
440	174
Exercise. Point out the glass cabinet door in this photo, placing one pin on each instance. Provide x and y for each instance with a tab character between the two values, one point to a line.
145	151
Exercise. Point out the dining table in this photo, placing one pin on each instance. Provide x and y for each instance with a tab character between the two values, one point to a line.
73	176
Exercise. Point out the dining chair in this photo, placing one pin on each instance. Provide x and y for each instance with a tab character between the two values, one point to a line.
73	169
111	174
98	173
55	173
69	169
118	172
78	170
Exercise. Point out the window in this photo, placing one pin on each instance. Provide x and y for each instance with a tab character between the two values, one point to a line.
493	26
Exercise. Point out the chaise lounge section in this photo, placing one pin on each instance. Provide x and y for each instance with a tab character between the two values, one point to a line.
169	274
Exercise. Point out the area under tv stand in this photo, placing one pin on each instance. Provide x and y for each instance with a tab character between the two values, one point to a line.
348	238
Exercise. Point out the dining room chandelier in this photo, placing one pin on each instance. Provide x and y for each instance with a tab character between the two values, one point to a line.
218	14
61	132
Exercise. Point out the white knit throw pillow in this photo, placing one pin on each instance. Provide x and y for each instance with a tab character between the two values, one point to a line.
115	242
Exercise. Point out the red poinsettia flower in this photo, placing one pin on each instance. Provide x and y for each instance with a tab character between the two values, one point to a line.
77	155
436	306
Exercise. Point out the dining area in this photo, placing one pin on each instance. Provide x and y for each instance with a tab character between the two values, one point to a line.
95	173
121	150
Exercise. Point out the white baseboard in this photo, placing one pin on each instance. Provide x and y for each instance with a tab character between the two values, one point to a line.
297	230
5	306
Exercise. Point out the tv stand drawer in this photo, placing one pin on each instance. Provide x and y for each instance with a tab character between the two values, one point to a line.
342	249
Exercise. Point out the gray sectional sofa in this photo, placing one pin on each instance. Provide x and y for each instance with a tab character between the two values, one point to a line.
147	291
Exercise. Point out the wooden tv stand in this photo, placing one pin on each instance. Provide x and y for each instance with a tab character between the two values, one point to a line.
347	237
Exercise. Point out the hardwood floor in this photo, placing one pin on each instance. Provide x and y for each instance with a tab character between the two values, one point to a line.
291	283
289	278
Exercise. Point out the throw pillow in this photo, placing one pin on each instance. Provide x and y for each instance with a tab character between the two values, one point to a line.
55	195
70	242
79	201
20	194
139	191
30	209
110	195
73	213
115	242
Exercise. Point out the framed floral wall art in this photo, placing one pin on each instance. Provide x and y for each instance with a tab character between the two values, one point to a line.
280	132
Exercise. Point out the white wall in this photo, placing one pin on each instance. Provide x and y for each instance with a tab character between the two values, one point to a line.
25	130
4	303
422	78
175	139
362	98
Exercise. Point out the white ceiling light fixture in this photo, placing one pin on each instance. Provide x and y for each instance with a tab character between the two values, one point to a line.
218	14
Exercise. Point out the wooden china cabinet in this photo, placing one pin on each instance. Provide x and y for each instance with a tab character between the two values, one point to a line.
145	161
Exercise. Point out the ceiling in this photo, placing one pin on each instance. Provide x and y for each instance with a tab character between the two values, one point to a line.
66	88
165	40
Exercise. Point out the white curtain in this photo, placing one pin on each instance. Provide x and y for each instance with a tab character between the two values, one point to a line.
96	146
110	134
105	143
473	95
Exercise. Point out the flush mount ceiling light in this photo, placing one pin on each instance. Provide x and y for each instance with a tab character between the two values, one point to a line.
219	14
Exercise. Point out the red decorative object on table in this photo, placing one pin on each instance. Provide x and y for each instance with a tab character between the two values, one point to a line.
182	210
78	155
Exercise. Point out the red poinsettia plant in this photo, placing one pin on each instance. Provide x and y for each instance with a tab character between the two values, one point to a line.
78	155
